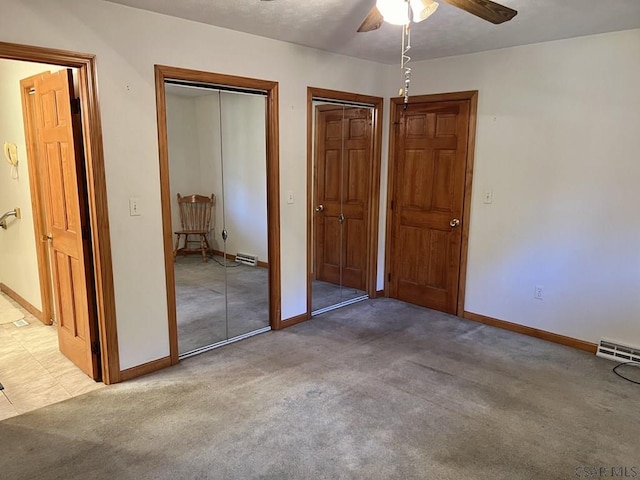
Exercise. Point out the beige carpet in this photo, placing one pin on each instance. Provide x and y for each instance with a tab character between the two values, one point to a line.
8	313
378	390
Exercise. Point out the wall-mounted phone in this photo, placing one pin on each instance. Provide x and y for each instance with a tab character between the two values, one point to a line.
11	154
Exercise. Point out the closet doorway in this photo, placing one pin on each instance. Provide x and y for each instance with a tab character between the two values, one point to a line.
219	200
343	184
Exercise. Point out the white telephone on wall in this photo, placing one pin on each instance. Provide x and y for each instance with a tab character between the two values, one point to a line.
11	154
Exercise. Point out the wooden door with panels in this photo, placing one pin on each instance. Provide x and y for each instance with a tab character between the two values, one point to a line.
58	138
341	189
430	183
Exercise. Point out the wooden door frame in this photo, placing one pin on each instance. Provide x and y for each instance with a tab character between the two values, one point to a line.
163	73
96	189
396	104
374	186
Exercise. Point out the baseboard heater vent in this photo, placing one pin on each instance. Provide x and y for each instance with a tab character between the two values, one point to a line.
247	259
618	352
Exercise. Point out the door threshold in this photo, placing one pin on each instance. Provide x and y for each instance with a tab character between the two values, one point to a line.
213	346
340	305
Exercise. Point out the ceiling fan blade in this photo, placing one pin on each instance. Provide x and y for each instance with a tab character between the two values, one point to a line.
485	9
372	22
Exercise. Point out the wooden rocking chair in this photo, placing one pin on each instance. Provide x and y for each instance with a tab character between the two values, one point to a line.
195	220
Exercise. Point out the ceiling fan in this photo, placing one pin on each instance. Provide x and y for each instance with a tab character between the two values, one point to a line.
397	12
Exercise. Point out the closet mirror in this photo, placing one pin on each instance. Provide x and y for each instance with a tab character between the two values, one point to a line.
216	139
341	186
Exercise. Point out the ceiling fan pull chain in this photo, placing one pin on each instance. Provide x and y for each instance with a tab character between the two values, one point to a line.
406	46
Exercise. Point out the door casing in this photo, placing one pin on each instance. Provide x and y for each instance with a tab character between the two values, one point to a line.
374	187
395	103
163	73
96	189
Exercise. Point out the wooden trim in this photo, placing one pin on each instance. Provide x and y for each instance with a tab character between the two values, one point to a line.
96	189
145	368
273	203
165	194
163	73
396	102
291	321
310	175
374	184
533	332
466	207
380	294
24	303
37	206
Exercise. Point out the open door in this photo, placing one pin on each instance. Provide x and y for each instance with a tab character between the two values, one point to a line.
60	148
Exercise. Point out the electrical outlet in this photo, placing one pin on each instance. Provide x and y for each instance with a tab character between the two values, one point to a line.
538	292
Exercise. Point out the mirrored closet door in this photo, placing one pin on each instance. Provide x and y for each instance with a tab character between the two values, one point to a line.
217	167
342	156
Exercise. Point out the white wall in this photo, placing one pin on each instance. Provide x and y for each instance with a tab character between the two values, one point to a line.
18	261
244	159
184	152
208	126
558	142
127	43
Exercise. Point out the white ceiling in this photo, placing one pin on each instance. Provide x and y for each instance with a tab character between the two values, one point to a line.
331	24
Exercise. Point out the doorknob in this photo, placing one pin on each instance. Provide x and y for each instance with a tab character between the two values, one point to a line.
46	238
454	223
319	208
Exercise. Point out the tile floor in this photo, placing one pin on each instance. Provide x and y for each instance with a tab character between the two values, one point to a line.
33	371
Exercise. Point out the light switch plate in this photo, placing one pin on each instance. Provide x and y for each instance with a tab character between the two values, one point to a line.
134	207
488	196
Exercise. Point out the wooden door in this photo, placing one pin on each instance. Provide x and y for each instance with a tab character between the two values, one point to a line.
341	187
427	203
67	219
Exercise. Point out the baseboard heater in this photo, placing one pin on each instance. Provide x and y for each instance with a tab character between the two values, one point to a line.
247	259
618	352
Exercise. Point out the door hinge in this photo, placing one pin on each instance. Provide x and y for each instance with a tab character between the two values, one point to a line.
388	277
86	232
75	106
391	204
95	348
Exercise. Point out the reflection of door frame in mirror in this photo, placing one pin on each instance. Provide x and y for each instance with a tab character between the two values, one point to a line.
371	234
164	73
96	191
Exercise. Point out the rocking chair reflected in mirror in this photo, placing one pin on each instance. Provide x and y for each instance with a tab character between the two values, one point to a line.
195	221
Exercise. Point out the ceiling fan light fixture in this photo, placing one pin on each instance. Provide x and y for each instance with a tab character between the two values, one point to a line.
394	11
423	9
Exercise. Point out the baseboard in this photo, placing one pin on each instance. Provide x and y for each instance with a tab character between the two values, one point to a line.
533	332
289	322
21	301
379	294
145	368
